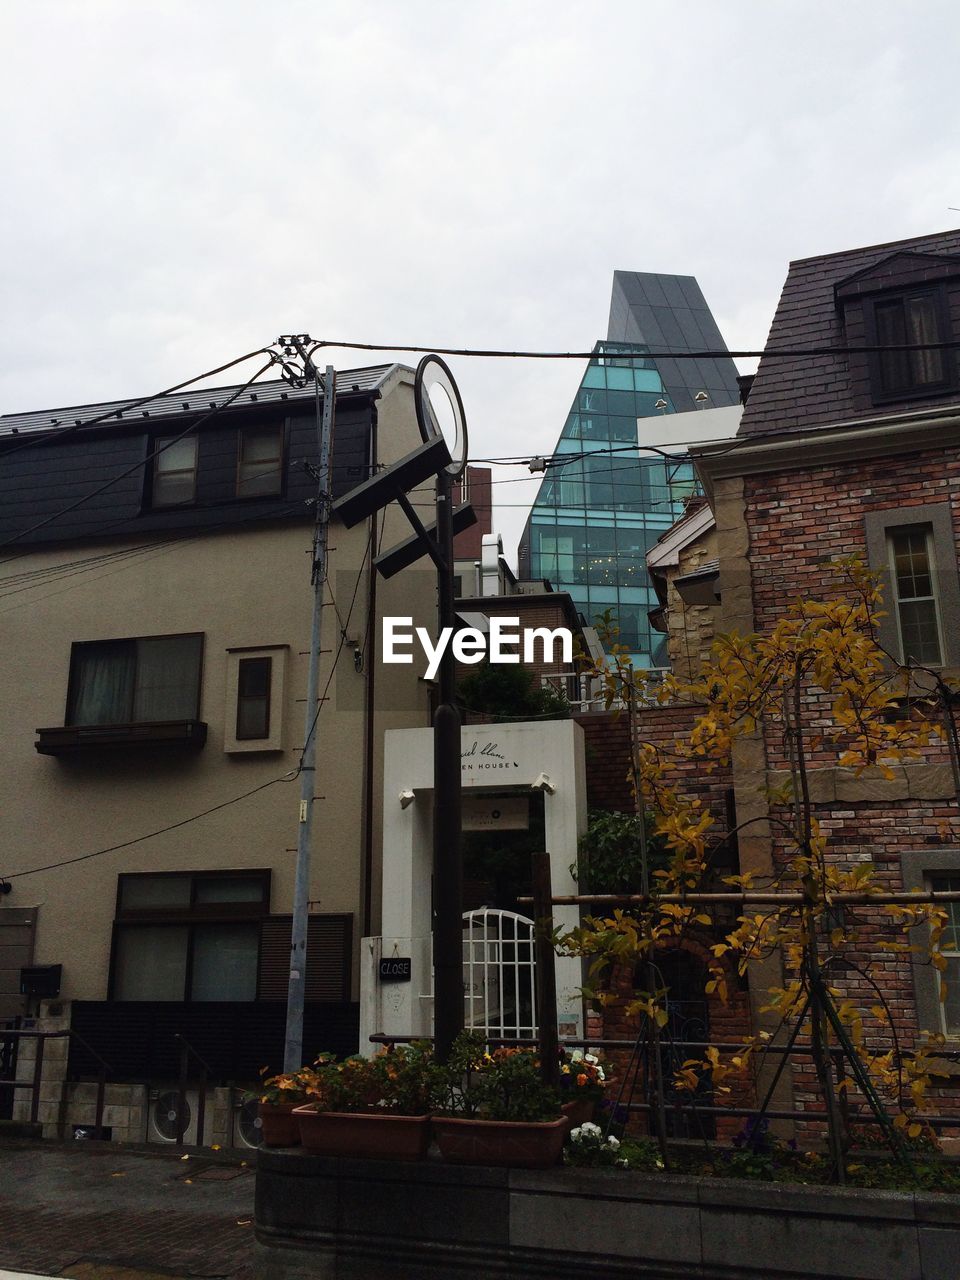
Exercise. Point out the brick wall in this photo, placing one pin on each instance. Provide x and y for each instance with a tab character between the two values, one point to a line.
797	522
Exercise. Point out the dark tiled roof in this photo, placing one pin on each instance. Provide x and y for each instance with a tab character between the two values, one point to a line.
795	395
192	400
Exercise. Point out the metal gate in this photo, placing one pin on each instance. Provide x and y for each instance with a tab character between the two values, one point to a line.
499	974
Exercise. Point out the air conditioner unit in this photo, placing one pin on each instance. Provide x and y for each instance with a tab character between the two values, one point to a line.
164	1112
247	1124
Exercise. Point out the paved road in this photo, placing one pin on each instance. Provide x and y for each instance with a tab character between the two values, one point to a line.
100	1212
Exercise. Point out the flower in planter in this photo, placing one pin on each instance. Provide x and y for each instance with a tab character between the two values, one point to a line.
289	1089
588	1147
504	1084
400	1080
581	1076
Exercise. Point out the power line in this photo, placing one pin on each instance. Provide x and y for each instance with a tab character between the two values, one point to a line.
107	484
128	555
290	776
150	835
787	353
42	438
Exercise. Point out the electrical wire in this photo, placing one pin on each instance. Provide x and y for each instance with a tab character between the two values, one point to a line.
137	466
779	352
150	835
46	573
44	437
290	776
130	557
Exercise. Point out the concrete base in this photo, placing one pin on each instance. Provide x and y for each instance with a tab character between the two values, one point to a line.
327	1219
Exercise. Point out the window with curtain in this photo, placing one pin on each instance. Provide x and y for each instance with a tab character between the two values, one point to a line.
138	681
912	317
193	936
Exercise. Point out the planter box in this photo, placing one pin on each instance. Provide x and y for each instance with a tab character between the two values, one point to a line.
278	1125
376	1136
501	1143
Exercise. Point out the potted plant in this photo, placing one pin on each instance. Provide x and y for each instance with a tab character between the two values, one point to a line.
277	1097
372	1108
498	1110
582	1085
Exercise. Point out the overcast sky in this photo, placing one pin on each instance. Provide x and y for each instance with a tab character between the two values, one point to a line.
181	182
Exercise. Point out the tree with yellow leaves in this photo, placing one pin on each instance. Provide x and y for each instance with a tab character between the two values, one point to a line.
820	680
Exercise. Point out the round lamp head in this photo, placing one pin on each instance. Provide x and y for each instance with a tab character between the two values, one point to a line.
440	410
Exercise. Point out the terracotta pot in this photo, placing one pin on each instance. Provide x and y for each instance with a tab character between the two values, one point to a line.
510	1143
363	1135
278	1125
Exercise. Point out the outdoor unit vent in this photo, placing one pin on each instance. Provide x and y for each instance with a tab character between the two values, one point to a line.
164	1114
247	1124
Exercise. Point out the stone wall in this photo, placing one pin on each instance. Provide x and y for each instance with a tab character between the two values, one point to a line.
324	1219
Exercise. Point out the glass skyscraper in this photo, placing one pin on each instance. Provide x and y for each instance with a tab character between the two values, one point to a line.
603	504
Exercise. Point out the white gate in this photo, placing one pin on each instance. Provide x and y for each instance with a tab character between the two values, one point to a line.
499	974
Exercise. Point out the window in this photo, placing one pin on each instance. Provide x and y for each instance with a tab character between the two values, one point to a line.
254	712
174	472
915	316
260	462
937	870
950	945
139	681
910	553
189	936
556	557
915	552
253	698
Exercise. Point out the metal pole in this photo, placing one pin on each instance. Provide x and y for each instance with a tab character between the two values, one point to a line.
447	862
293	1041
545	972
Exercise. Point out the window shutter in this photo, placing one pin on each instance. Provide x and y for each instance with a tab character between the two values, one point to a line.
329	957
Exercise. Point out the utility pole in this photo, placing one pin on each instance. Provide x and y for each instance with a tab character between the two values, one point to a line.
447	854
293	1040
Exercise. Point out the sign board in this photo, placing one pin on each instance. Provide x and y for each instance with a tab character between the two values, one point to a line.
488	813
395	969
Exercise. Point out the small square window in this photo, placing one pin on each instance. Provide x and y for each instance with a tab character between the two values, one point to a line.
260	462
174	472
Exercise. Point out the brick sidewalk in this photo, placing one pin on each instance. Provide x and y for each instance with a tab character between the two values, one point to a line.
86	1211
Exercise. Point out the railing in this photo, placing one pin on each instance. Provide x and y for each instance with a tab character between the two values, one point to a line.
34	1083
187	1052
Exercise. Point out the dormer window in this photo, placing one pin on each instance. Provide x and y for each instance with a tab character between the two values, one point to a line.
174	472
914	316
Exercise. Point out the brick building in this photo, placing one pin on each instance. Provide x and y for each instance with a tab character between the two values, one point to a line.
854	451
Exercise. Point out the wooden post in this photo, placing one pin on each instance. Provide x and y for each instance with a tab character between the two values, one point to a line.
546	978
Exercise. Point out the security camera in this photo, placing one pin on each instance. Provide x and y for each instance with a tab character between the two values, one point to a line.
543	783
406	799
